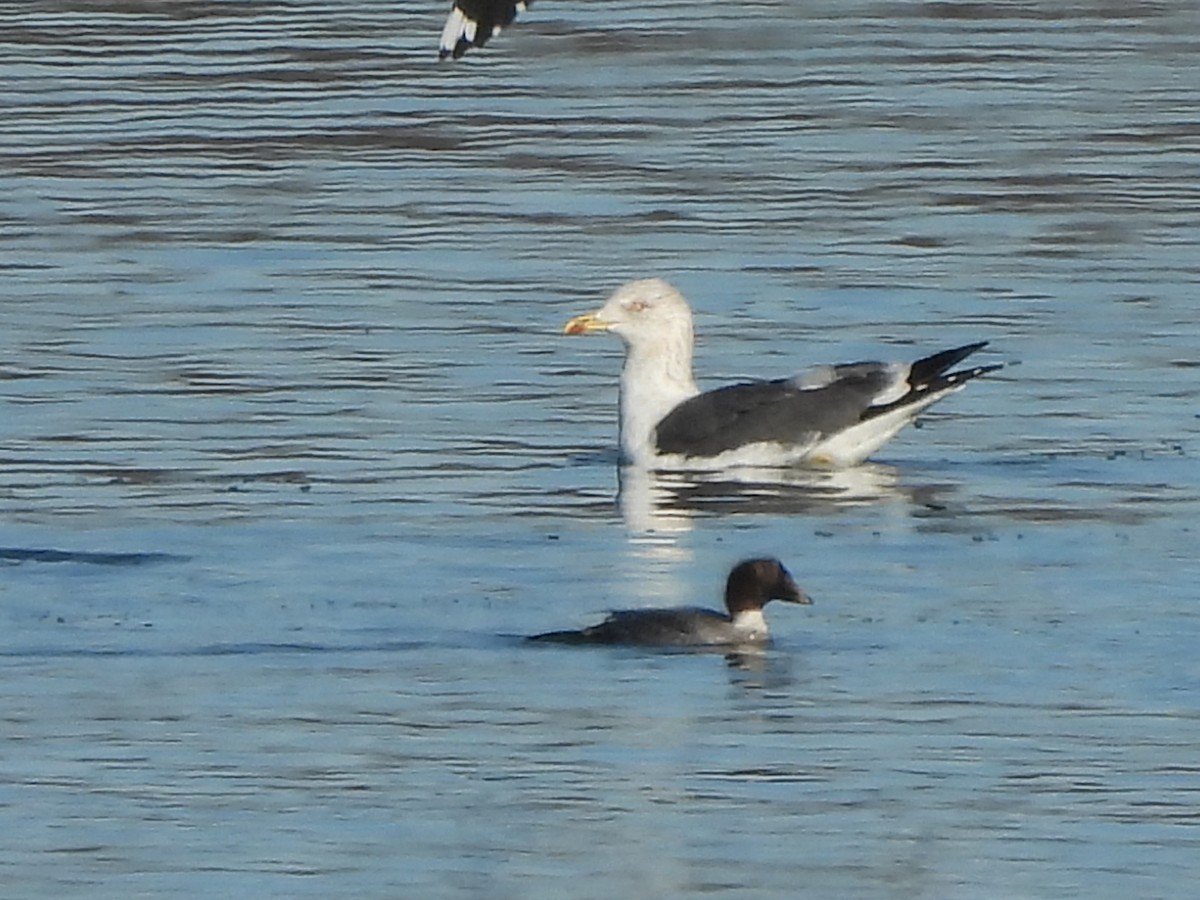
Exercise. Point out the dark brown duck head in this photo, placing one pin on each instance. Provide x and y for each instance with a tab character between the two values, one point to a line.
754	582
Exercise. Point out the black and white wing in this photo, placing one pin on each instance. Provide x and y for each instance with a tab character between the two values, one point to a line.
472	23
810	409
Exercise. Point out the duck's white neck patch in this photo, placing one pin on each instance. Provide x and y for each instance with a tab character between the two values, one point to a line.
751	624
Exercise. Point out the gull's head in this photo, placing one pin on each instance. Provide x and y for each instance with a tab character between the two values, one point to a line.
648	311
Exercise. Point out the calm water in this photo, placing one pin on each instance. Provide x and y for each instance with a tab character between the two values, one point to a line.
292	451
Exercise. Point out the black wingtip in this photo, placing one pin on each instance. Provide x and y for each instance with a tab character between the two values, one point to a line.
948	380
936	382
965	375
459	50
929	368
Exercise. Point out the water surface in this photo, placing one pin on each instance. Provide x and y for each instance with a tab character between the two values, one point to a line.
293	452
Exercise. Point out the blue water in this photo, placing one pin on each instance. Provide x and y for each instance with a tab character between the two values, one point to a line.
292	451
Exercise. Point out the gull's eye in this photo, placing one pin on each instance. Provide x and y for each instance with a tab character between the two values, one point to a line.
637	306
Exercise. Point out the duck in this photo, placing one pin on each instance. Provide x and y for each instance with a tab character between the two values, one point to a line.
751	584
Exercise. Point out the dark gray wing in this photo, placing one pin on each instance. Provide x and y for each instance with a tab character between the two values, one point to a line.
810	407
486	15
788	411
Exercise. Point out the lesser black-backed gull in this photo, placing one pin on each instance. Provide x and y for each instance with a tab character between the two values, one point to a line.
831	415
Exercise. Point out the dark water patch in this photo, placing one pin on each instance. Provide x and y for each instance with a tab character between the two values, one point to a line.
249	649
18	555
1058	513
999	11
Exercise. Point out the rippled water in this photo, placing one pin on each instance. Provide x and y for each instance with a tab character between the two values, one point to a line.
293	452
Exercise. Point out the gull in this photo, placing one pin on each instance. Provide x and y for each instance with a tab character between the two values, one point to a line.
830	415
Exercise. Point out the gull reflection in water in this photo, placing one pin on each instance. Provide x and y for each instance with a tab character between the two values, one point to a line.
664	503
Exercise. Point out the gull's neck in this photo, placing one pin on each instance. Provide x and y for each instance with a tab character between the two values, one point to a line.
656	378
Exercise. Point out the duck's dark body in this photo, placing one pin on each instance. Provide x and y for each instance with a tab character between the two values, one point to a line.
750	586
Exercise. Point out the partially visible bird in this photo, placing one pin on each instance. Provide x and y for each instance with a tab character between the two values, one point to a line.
472	23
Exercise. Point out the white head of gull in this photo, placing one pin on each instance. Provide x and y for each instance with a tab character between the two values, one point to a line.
751	585
655	324
831	415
